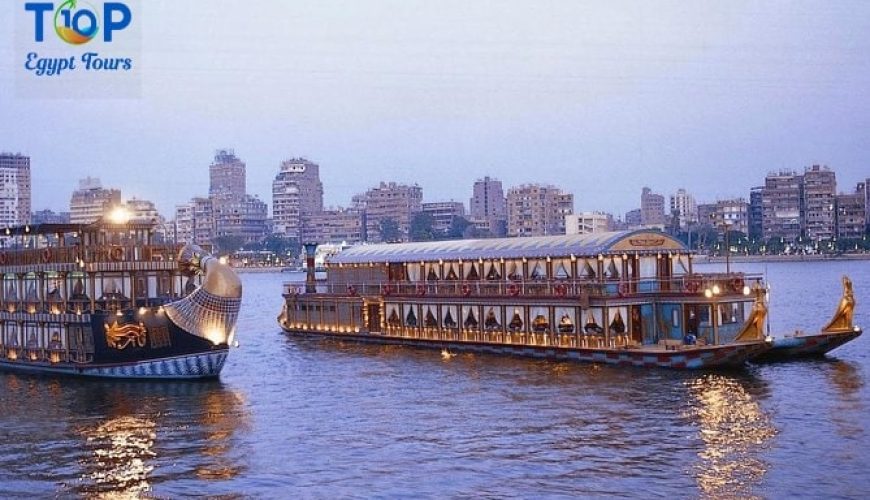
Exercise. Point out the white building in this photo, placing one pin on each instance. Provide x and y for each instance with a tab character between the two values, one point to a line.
684	206
14	189
90	201
588	222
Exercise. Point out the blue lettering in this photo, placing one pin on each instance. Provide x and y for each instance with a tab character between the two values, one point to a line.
39	10
111	24
31	57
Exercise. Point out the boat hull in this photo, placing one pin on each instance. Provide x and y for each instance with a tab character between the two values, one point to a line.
806	346
695	357
187	367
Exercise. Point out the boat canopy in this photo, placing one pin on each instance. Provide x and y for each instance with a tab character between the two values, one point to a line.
576	245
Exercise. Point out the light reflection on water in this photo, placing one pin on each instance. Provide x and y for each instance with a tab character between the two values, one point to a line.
734	430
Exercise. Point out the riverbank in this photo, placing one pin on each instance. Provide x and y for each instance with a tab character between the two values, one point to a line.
706	259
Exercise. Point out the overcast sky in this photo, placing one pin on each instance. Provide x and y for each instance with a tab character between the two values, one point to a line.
601	98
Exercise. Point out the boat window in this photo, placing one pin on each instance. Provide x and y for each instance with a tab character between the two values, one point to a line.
565	316
681	264
516	322
490	269
538	269
433	272
410	316
704	315
429	318
393	318
613	269
493	319
592	323
452	273
413	272
469	270
617	323
514	270
450	317
562	269
731	312
588	271
540	319
470	315
648	267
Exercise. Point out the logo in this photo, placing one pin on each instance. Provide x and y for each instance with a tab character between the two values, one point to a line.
77	23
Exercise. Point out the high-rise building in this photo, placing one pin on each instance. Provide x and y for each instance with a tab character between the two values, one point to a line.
14	189
91	201
852	213
819	192
226	175
684	207
296	194
633	219
49	217
588	223
731	215
243	217
652	209
194	222
443	214
335	226
707	213
756	213
390	203
538	210
488	204
782	204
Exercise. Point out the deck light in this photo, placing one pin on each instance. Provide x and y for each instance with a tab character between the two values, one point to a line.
716	290
708	293
746	290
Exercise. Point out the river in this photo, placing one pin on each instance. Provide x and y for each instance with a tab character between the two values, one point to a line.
312	418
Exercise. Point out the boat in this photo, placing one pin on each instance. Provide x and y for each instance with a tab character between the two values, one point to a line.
839	330
107	300
624	298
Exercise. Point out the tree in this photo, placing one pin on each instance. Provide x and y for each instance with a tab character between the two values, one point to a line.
421	227
459	227
390	230
228	244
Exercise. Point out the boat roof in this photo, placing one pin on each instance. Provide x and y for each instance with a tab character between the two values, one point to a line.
578	245
31	229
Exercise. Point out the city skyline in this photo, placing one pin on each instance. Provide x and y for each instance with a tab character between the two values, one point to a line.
704	95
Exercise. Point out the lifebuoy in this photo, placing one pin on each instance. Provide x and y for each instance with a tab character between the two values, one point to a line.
737	284
46	255
421	290
513	289
623	289
4	259
351	290
388	289
117	253
692	286
466	290
561	290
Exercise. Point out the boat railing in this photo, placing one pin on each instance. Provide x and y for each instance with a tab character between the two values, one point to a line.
690	284
91	254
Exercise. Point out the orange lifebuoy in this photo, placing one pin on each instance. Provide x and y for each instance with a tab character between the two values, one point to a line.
561	290
46	255
513	289
466	290
117	253
692	286
4	259
737	284
421	290
388	289
623	289
351	290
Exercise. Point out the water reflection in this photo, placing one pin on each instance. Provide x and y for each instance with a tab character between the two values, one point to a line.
147	429
847	412
734	431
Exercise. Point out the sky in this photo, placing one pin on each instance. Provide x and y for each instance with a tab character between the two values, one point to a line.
599	98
